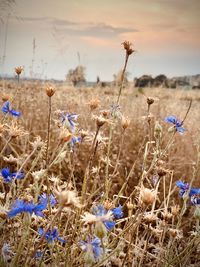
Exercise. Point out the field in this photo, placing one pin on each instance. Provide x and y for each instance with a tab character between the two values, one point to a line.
100	188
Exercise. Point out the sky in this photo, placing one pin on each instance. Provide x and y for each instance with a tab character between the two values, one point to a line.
50	37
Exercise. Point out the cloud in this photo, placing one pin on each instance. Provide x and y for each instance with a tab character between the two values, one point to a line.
80	29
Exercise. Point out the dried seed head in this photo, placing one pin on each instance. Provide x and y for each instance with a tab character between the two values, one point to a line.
150	100
128	47
175	233
125	123
100	121
3	215
105	113
108	205
150	218
94	103
50	91
161	172
147	196
38	143
18	70
175	210
15	130
5	98
67	198
167	215
83	133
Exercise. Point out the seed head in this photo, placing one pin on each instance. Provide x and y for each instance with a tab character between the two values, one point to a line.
128	47
100	121
175	210
94	103
50	91
167	215
147	196
5	98
150	100
18	70
125	123
67	198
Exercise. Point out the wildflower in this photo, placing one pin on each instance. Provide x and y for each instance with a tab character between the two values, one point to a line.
103	219
51	235
93	250
177	123
184	187
75	140
44	199
21	206
7	110
8	176
69	121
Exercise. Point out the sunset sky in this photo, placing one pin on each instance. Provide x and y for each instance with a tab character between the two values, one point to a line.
165	33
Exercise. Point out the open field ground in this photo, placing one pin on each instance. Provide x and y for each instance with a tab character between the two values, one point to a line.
99	189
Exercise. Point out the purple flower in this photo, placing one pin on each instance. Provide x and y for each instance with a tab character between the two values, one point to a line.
177	123
6	109
184	187
8	176
69	121
92	246
51	235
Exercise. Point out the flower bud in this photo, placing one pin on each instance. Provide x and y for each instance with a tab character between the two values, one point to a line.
100	229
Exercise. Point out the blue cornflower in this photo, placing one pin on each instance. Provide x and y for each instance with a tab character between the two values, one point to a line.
177	123
51	235
69	121
44	199
6	109
21	206
92	248
184	187
8	176
107	216
117	212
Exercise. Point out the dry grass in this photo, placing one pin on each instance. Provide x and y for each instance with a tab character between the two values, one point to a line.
148	234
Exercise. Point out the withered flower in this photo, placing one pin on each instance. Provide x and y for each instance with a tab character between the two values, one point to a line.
128	47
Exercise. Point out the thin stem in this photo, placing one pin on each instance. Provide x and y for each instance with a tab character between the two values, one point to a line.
48	131
122	78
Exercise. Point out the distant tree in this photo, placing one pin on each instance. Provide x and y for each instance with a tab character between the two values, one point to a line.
118	78
76	75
